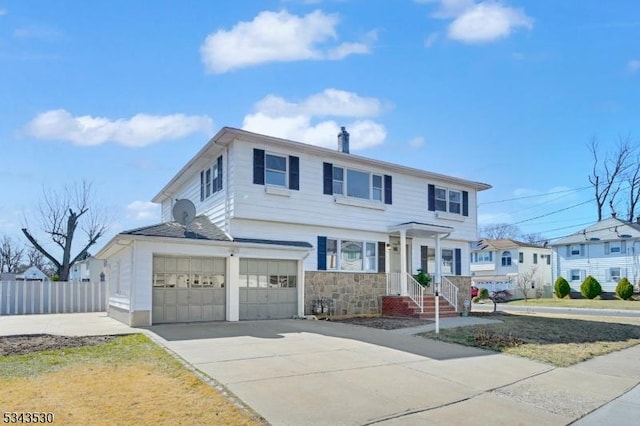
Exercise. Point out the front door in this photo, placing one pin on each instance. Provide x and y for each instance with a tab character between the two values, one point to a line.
394	255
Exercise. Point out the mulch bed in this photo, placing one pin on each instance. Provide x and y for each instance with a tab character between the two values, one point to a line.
27	343
384	323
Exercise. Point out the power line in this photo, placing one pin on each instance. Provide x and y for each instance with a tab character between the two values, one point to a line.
535	196
553	212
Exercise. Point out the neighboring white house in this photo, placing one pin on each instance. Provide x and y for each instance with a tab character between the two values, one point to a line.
32	273
607	250
89	269
278	221
499	264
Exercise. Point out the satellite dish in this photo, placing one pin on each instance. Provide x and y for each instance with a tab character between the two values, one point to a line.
184	212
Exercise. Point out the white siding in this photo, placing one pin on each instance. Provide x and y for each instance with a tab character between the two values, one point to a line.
310	206
595	262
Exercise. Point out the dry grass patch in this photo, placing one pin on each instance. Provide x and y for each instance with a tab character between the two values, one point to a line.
628	305
127	381
561	340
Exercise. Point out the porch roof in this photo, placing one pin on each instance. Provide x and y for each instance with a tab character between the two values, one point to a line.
418	229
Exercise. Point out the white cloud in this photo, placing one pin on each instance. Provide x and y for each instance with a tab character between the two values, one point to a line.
491	218
277	37
633	66
140	130
143	210
416	142
480	22
278	117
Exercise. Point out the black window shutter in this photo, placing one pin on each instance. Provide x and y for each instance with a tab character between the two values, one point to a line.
322	253
382	249
387	189
327	178
219	173
294	172
431	198
202	185
465	203
258	166
458	261
424	253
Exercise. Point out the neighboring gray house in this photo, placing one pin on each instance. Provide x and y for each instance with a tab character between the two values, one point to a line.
607	250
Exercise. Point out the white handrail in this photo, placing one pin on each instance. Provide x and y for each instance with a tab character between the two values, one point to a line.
394	286
450	292
416	292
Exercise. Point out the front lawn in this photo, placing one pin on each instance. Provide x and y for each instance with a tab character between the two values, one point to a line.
633	305
561	340
129	380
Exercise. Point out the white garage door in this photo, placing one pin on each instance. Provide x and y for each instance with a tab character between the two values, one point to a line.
187	289
268	289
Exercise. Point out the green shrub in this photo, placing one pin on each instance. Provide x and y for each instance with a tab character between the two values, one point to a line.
624	289
561	288
590	288
476	299
483	294
423	278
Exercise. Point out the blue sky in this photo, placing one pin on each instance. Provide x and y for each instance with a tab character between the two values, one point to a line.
123	93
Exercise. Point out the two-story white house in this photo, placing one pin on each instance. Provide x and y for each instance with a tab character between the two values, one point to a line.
607	250
280	224
499	264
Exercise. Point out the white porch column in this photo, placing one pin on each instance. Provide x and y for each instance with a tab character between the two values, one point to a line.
233	288
438	277
300	284
403	262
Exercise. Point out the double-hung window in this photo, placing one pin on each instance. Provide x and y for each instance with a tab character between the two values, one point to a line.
357	184
614	274
447	200
482	257
338	180
275	170
506	258
575	275
211	179
575	250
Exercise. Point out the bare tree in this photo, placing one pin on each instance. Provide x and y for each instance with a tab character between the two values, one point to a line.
525	280
499	231
632	178
62	214
10	255
534	238
37	259
605	174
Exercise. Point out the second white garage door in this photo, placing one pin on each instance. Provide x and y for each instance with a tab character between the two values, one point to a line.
268	289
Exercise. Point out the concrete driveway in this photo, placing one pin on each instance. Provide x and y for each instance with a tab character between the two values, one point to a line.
323	373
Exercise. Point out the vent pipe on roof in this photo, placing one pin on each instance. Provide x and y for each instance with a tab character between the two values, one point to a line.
343	140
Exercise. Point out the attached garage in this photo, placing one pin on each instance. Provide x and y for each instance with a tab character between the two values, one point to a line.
268	289
188	289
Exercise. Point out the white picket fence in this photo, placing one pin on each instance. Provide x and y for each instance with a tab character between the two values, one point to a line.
51	297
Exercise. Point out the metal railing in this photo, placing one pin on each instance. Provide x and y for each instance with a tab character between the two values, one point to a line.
394	284
450	292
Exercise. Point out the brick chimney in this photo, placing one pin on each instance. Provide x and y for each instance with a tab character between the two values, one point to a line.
343	140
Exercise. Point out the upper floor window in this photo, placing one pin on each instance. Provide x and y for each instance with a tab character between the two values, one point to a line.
535	258
615	247
447	200
575	250
506	258
482	257
211	179
520	257
276	169
356	183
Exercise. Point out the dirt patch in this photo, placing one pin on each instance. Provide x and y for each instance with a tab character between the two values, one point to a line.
27	343
384	323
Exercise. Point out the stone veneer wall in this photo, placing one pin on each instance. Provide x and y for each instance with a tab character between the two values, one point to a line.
464	289
353	293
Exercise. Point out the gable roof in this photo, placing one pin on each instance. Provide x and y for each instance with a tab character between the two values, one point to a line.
502	244
226	135
612	229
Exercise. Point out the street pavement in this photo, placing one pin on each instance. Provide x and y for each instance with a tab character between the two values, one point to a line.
326	373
